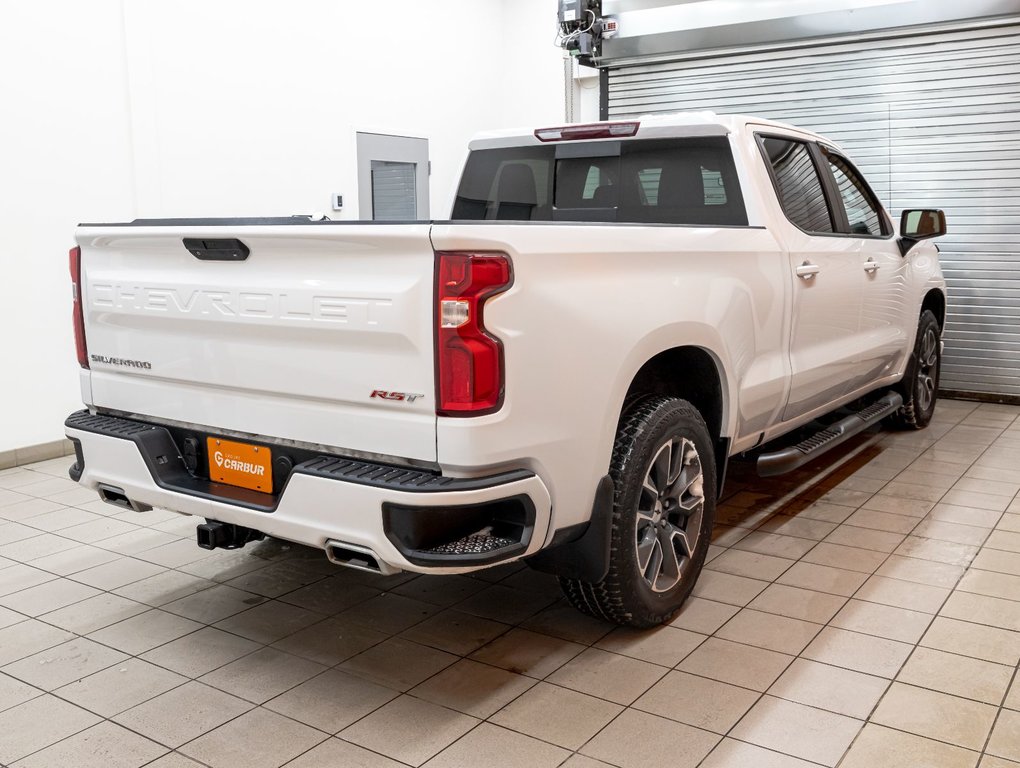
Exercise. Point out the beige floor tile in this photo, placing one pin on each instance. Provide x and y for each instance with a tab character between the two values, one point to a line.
200	652
663	645
990	583
957	675
63	663
47	597
769	631
902	594
491	745
444	591
182	714
971	499
18	577
262	675
989	761
731	753
398	664
331	641
213	604
506	604
1005	540
269	622
36	724
829	513
835	689
865	538
389	613
27	637
801	527
861	653
966	638
702	616
331	701
938	551
697	701
735	663
331	595
981	609
456	632
623	742
957	533
120	572
528	653
257	739
798	730
580	761
849	498
848	558
106	745
965	515
727	588
882	521
935	715
607	675
797	603
882	620
777	545
878	746
31	549
120	687
1013	697
751	564
915	506
921	571
564	621
823	578
1008	522
1005	740
94	613
473	688
409	730
550	713
14	692
336	753
145	631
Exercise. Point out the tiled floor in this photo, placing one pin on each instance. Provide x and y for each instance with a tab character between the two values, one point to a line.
863	613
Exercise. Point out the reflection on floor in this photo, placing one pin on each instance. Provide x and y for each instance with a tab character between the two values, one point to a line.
863	612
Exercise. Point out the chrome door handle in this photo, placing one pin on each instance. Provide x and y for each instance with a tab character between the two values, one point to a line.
807	270
871	266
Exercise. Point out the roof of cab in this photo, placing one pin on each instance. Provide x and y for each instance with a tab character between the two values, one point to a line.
651	126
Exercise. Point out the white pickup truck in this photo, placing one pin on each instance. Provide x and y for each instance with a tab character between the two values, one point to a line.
559	372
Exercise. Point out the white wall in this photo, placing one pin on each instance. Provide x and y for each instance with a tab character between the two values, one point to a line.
114	109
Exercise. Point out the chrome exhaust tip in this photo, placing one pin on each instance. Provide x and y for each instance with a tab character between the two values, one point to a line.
357	557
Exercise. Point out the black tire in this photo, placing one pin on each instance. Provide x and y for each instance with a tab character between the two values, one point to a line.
920	385
662	449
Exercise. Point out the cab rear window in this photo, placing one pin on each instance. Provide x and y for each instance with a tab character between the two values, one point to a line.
656	181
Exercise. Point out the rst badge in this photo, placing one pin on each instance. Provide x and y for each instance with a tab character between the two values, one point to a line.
406	397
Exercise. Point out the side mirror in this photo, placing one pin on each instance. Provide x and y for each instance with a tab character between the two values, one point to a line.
920	224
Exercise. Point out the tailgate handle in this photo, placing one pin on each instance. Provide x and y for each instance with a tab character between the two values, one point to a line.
217	248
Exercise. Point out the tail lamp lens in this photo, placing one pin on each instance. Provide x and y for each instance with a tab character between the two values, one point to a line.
78	313
469	360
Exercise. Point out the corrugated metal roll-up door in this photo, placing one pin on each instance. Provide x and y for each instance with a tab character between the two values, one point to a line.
932	121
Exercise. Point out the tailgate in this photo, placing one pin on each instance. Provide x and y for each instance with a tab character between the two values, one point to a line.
290	342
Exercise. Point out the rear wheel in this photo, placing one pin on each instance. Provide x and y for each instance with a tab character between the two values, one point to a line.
921	381
663	470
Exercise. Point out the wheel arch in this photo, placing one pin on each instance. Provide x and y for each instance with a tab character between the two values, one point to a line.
935	300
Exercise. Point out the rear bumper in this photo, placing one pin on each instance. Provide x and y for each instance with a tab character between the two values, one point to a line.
411	519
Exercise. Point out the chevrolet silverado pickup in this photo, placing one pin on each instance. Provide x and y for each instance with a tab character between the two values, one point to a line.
557	373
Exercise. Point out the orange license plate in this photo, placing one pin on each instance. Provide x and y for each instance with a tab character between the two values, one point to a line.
241	464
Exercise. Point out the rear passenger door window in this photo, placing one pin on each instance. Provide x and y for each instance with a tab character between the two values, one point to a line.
862	210
798	184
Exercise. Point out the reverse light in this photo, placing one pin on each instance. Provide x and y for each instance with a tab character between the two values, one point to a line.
469	360
589	131
78	313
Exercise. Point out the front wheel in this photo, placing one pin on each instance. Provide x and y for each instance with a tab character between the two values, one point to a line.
921	381
663	470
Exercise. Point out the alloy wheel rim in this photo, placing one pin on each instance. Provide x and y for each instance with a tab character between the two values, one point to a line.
670	511
927	369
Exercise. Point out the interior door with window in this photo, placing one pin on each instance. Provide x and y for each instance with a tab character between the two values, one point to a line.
393	177
884	325
827	281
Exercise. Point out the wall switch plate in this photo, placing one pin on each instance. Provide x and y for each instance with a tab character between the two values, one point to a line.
338	202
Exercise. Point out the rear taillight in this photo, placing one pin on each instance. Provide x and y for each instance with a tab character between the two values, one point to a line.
469	360
78	313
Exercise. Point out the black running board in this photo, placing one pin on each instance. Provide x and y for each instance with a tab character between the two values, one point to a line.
788	459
